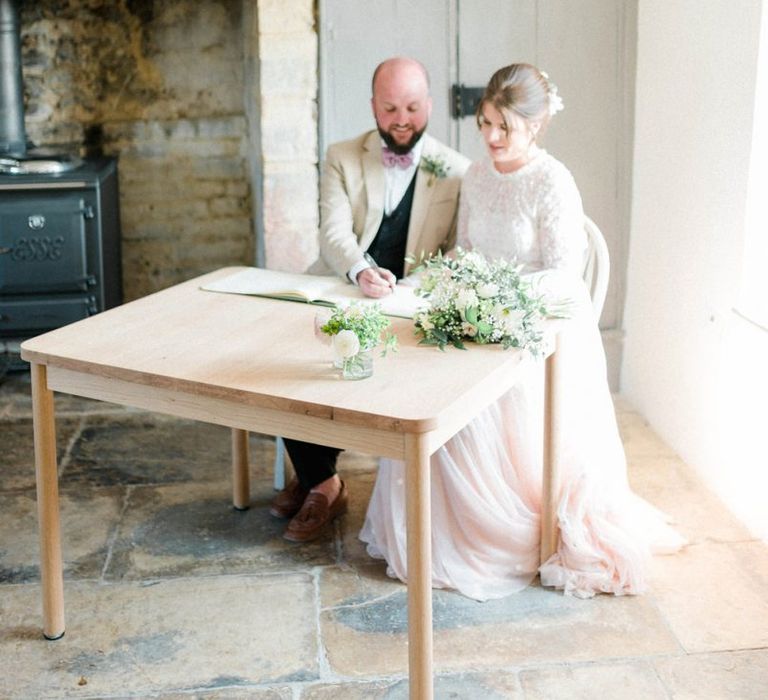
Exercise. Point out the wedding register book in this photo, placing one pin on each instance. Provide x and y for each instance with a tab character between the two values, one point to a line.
313	289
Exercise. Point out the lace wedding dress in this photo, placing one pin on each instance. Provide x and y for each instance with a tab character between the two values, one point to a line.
486	480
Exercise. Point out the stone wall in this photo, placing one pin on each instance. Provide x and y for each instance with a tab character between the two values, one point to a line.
287	43
207	158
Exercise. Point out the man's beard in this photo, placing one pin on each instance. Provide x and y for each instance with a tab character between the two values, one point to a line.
400	149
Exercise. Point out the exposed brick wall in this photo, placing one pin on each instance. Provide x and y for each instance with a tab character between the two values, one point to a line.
162	85
185	198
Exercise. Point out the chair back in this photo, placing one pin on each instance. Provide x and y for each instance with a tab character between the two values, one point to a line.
597	266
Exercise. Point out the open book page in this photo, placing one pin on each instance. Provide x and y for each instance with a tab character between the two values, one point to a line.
313	289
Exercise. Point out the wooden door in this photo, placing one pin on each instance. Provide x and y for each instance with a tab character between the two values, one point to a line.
586	46
356	35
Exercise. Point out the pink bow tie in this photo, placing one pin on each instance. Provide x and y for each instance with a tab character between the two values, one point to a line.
392	159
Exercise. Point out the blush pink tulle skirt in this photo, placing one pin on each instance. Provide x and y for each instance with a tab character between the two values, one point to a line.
486	491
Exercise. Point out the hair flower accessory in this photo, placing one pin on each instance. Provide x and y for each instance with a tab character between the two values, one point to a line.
435	166
555	101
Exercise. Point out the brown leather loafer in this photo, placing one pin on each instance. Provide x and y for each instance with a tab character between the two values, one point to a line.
289	501
315	514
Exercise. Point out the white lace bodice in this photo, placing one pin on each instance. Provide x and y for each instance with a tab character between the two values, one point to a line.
534	214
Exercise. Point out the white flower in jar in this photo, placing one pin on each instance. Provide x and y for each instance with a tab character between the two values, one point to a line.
346	344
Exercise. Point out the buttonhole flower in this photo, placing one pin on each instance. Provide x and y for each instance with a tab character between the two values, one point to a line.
435	166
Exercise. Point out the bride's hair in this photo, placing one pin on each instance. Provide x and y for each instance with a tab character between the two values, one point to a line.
523	90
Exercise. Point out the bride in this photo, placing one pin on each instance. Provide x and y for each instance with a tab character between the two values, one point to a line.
522	203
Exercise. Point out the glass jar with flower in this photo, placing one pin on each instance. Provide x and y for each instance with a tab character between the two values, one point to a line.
356	331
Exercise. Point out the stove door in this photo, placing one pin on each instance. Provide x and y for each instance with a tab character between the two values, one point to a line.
32	315
43	243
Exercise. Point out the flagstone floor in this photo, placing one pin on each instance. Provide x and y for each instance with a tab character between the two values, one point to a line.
171	593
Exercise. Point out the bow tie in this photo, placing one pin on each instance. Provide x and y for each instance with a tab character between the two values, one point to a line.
392	159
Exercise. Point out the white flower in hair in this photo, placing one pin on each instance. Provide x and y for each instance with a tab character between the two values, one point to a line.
555	101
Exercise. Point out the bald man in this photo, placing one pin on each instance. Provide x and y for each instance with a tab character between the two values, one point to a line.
378	197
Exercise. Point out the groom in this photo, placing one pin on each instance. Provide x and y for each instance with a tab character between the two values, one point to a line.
390	193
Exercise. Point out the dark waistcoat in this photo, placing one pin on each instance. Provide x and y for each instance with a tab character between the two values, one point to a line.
388	248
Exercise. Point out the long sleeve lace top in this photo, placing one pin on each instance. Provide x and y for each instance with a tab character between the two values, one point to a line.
534	214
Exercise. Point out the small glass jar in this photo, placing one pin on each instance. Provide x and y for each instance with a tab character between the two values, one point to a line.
358	366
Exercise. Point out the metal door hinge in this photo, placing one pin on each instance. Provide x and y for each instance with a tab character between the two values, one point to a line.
464	100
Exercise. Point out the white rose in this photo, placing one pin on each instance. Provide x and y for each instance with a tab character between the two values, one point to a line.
426	324
346	344
487	290
468	329
512	321
465	298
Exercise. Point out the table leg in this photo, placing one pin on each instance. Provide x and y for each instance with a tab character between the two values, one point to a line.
47	478
241	487
419	528
551	475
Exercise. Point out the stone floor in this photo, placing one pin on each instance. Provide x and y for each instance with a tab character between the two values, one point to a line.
171	593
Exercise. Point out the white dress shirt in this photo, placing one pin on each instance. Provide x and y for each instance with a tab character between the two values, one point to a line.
396	182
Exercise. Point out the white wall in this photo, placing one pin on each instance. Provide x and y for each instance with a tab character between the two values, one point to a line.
693	367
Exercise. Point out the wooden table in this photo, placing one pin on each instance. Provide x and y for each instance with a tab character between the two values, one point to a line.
253	364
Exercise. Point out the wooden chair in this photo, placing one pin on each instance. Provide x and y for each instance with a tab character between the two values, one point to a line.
279	464
597	266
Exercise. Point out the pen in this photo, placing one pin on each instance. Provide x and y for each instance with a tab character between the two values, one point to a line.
369	259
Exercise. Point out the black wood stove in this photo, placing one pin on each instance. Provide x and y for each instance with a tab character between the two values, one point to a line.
59	221
59	247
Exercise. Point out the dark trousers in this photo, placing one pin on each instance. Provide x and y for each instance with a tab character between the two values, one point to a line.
313	464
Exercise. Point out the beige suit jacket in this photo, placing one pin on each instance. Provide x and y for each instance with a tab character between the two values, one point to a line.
352	203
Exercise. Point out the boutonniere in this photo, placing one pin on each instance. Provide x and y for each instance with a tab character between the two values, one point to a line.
435	166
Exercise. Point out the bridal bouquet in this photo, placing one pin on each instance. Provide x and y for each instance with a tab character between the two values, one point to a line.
480	300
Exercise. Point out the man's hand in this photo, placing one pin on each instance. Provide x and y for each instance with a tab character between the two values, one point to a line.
376	284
